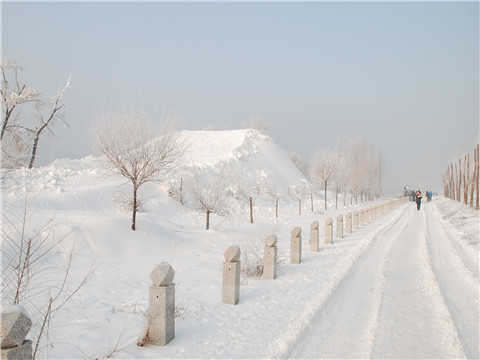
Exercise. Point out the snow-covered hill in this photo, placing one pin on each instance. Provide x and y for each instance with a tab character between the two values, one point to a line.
248	154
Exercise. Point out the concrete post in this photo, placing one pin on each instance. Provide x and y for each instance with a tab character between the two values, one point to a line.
231	276
348	222
314	236
296	246
270	258
329	230
340	226
355	220
15	327
161	312
361	217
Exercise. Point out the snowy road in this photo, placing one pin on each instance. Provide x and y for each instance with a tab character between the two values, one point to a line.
412	294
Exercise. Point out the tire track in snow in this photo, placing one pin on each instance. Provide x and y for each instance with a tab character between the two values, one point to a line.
470	263
345	324
414	321
458	285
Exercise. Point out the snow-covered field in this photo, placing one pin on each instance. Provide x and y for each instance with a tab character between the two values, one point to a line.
405	285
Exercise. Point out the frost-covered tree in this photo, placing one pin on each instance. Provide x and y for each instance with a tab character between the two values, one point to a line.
208	191
137	150
365	165
257	123
298	192
56	111
247	193
15	94
20	132
323	169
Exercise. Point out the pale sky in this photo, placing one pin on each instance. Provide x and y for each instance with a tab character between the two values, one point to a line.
404	75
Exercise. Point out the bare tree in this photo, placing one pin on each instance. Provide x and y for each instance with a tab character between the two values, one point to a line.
477	176
324	166
472	188
298	192
27	272
56	111
208	192
136	150
14	132
365	166
466	175
14	93
272	192
17	130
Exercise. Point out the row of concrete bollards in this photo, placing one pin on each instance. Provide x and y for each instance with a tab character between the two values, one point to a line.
16	324
162	293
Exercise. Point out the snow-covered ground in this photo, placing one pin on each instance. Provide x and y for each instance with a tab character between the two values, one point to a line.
405	285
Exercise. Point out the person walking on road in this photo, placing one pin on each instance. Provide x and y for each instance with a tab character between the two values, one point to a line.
418	199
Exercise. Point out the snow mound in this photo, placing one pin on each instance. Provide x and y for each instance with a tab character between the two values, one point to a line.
246	154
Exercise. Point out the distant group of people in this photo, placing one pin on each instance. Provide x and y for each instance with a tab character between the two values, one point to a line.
429	196
418	197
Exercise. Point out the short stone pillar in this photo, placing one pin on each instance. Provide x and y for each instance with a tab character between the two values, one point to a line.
314	236
15	327
231	276
367	216
340	226
348	222
161	311
296	246
270	258
361	217
355	220
329	230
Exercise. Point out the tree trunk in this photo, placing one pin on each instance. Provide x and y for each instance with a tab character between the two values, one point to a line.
466	178
456	181
452	183
34	151
39	131
208	219
459	179
134	215
311	202
476	185
474	176
299	207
